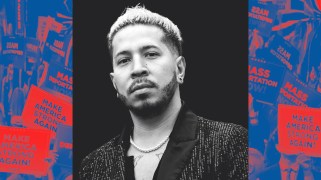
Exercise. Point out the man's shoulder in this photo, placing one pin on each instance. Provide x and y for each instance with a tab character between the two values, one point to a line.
227	145
98	154
95	163
224	129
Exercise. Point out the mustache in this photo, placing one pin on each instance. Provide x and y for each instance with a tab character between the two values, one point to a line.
141	83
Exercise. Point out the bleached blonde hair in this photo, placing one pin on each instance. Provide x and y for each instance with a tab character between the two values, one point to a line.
140	15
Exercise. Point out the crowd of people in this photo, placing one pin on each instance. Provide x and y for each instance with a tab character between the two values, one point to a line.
298	25
26	63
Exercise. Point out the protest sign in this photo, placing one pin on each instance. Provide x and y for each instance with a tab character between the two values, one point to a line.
42	30
295	92
23	150
32	54
56	47
282	52
46	24
59	79
20	17
261	17
299	130
45	111
265	80
63	145
13	51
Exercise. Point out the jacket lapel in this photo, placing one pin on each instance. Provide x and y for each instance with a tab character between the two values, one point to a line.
179	148
125	166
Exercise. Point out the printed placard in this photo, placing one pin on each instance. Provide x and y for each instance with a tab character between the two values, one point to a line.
45	111
24	150
59	79
54	25
261	17
265	80
13	48
299	130
283	53
32	47
56	47
12	45
63	145
42	30
32	54
46	24
20	12
295	92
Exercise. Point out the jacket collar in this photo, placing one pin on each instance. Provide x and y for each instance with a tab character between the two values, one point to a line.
185	125
184	128
179	148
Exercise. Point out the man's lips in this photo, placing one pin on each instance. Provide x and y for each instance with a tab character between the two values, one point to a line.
141	86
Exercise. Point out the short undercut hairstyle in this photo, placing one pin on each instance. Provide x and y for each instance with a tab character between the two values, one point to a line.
140	15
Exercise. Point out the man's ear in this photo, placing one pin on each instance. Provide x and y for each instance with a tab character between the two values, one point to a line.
111	75
180	69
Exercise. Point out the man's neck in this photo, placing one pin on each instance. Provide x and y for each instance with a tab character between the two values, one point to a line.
150	131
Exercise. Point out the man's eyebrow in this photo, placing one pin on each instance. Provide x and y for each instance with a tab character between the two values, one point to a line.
144	48
122	53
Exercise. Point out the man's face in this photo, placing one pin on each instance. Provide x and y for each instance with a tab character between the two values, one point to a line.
145	68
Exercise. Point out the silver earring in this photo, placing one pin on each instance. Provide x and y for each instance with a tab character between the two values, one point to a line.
181	79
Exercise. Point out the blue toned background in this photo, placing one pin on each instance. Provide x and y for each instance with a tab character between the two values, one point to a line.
36	49
283	39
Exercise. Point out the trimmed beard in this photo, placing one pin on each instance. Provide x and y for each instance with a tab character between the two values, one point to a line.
151	109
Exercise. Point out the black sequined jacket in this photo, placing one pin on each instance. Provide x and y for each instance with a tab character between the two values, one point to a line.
198	149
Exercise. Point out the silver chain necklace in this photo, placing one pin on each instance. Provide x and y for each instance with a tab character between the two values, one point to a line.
151	149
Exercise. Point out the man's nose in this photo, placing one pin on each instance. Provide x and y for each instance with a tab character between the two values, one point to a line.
139	68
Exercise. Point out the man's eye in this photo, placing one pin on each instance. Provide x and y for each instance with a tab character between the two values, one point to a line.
123	60
151	55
